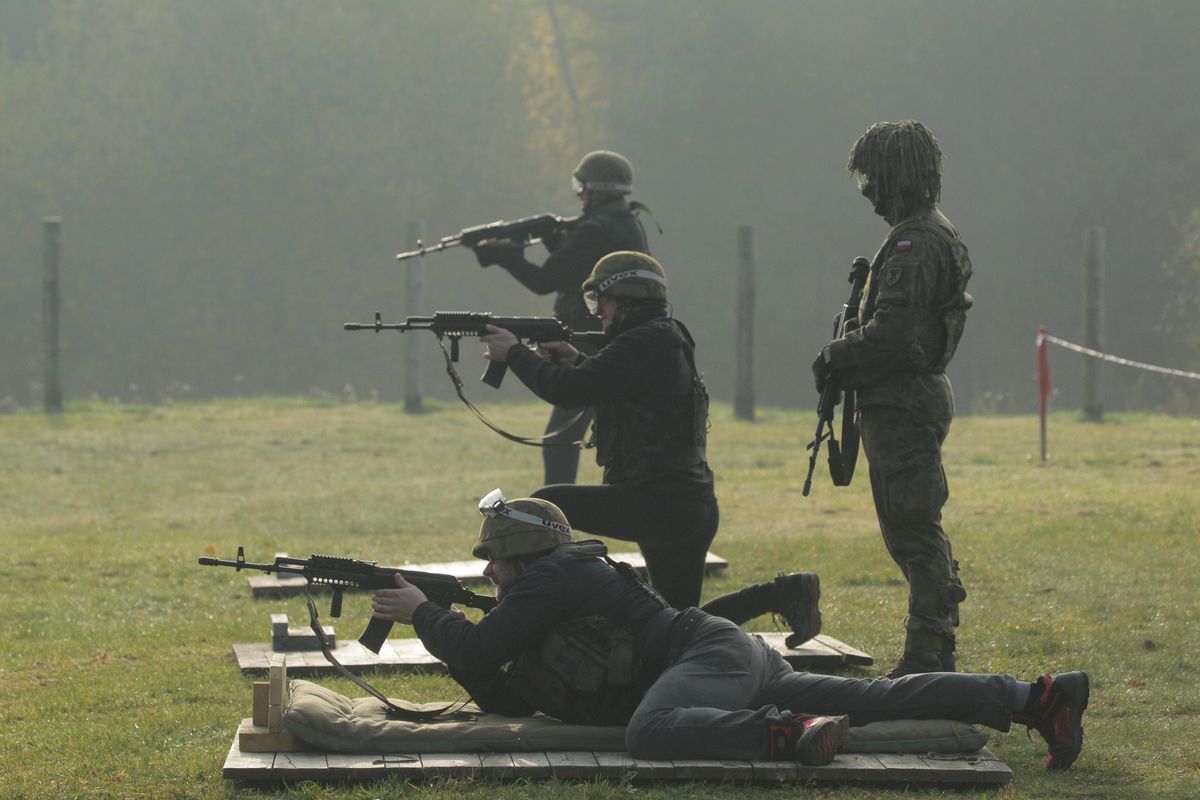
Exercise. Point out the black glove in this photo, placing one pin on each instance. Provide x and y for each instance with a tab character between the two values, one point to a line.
552	239
497	251
822	371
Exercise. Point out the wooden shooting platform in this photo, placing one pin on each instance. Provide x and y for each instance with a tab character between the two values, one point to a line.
470	571
262	751
981	768
305	659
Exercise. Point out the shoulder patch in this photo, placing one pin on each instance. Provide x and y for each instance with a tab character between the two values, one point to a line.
892	275
904	246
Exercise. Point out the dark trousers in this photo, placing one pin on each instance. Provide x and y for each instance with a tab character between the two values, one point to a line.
719	697
673	532
562	463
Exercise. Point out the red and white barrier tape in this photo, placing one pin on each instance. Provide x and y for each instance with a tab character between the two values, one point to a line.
1087	351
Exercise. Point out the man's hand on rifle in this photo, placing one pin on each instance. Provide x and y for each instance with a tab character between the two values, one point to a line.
397	604
498	341
563	354
496	251
822	370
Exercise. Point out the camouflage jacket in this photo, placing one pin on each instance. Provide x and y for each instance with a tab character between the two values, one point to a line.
910	320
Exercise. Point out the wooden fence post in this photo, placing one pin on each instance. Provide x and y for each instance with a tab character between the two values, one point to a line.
743	395
51	255
1093	325
414	288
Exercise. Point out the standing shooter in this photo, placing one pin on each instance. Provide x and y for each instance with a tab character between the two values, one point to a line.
909	323
602	182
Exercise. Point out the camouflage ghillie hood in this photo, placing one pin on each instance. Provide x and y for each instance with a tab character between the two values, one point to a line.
903	162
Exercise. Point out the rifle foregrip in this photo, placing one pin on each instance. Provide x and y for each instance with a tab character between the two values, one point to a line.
494	375
376	634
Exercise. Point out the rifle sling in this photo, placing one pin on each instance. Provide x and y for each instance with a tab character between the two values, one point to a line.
841	466
532	441
403	713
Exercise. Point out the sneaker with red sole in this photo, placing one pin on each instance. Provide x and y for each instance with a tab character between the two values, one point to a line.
813	741
1057	714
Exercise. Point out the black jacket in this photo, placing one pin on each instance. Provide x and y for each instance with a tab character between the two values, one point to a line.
651	407
602	230
561	586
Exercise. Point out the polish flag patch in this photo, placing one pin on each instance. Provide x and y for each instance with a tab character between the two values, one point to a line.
904	246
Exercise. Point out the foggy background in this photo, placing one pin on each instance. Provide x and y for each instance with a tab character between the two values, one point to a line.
235	178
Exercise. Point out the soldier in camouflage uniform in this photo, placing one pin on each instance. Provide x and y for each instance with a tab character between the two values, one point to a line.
909	324
602	182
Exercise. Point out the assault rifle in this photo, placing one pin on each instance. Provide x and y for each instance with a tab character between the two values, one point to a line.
525	231
843	457
454	325
341	573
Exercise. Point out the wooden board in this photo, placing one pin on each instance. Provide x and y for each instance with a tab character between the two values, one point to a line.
409	655
470	571
893	769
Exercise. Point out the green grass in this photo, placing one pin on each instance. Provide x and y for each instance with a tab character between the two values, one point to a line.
117	680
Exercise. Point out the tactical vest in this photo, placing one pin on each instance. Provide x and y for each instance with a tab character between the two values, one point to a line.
622	230
636	441
948	313
586	671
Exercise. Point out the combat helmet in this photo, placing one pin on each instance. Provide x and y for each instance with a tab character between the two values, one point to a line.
625	273
603	171
521	527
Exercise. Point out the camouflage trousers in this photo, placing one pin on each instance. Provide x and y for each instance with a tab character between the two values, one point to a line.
909	488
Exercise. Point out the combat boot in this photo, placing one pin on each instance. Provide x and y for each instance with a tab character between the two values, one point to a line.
813	741
1055	710
924	651
797	600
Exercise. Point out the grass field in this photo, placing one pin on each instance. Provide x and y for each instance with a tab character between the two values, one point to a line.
117	680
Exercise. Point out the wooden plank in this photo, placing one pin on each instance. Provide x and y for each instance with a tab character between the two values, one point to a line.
531	765
774	771
854	656
835	772
262	701
246	766
615	767
820	652
955	770
980	768
497	766
450	765
713	770
261	740
409	655
991	770
395	656
469	571
363	766
576	764
904	767
300	766
855	767
648	770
